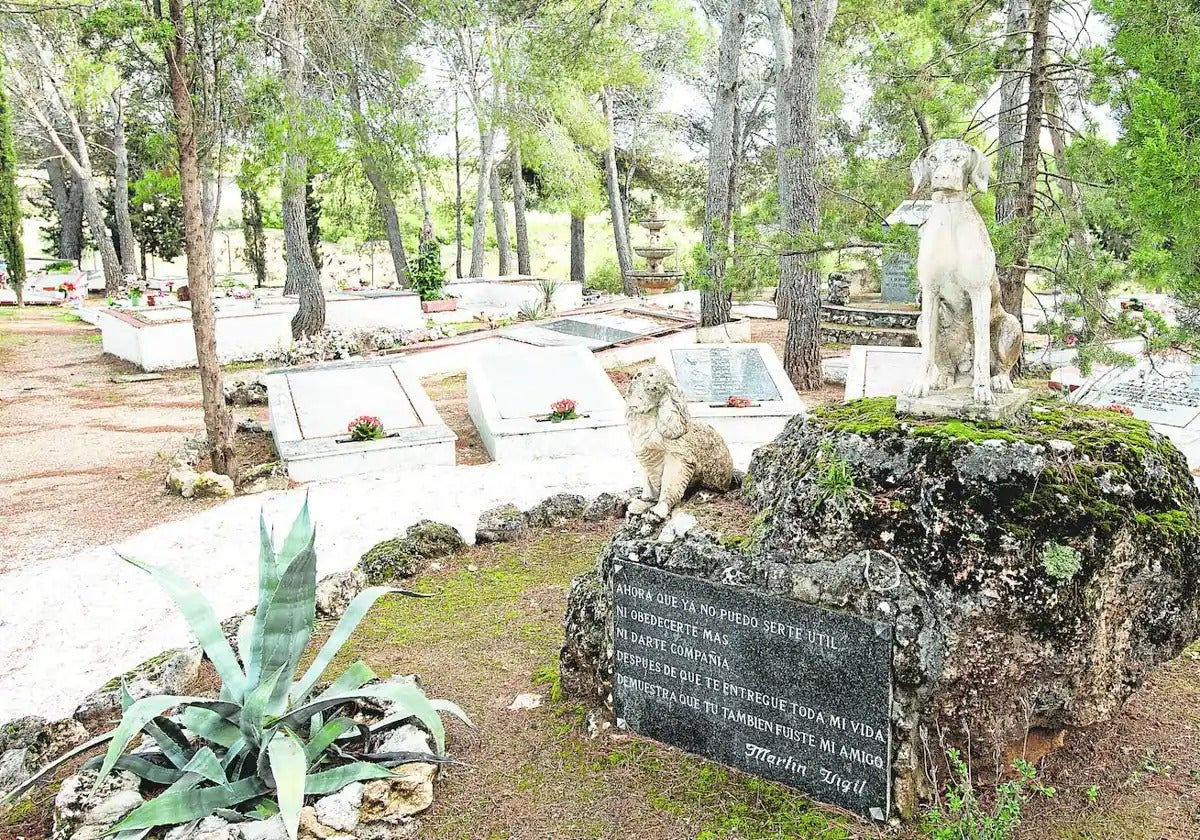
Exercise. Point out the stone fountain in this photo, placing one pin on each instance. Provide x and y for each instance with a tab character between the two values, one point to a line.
655	279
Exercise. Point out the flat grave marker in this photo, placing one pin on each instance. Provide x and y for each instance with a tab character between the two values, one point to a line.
881	371
592	330
771	686
714	373
1166	394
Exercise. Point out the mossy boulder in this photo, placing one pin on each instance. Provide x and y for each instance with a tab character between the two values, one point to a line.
410	555
1032	572
503	523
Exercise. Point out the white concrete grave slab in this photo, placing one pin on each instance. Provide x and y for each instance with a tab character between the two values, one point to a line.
312	406
709	374
881	371
592	330
509	394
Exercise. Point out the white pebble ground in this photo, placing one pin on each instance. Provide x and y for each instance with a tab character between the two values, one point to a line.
70	624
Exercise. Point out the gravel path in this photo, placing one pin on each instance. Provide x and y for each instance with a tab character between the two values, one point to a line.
68	625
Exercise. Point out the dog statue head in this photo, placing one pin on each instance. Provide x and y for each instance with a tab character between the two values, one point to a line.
654	391
950	165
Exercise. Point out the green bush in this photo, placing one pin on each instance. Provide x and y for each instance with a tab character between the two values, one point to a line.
606	277
59	265
427	275
963	817
271	738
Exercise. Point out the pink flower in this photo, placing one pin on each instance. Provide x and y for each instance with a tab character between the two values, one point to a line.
563	406
1071	340
738	402
1120	409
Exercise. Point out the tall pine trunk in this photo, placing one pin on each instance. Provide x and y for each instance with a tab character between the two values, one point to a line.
616	206
782	44
714	297
12	248
255	249
1012	277
578	259
800	210
519	222
1010	121
458	203
129	251
500	222
218	421
391	221
302	278
68	205
487	140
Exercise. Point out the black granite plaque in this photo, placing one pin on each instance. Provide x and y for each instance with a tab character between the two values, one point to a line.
714	374
587	329
776	688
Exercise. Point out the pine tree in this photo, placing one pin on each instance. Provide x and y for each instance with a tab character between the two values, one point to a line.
11	248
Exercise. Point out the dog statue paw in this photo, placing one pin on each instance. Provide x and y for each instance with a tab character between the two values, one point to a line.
982	394
931	381
638	506
1002	383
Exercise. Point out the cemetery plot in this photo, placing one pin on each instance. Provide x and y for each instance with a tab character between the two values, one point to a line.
1164	393
710	374
881	371
776	688
510	394
311	408
592	330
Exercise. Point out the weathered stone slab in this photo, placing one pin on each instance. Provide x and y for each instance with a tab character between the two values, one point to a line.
768	685
714	373
881	371
958	402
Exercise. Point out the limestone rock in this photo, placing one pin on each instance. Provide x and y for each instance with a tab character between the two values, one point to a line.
168	673
336	591
678	525
248	390
409	792
407	738
559	508
84	810
190	484
16	766
1030	584
272	829
340	810
605	506
504	523
408	556
268	484
183	481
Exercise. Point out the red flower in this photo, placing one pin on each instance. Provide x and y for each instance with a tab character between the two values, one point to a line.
738	402
1120	409
364	420
1071	340
563	406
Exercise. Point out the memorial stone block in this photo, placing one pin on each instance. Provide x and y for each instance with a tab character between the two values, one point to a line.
771	686
715	373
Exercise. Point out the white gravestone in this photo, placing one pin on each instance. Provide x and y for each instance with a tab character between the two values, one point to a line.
709	374
591	330
311	408
881	371
510	393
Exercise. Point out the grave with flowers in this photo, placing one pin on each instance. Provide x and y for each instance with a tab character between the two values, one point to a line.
344	418
545	402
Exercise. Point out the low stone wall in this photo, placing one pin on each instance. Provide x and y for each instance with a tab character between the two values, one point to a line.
853	316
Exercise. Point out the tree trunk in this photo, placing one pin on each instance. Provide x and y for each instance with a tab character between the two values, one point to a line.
302	278
458	251
426	215
578	262
615	204
255	250
782	44
218	421
128	245
801	214
1010	121
312	219
500	222
70	240
518	179
12	249
1012	278
391	222
104	242
487	139
1080	237
714	297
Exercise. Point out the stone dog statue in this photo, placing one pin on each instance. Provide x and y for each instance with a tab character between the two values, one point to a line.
677	452
963	329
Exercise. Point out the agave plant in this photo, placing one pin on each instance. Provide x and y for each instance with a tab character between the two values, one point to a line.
271	738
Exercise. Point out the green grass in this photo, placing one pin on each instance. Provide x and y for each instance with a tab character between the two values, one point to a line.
65	317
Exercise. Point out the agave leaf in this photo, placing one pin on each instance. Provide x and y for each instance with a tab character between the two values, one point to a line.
301	535
245	633
331	781
452	708
170	739
272	566
210	726
137	716
395	759
206	765
202	621
285	624
412	699
180	806
12	795
142	767
288	767
355	612
326	735
352	679
254	713
126	697
133	834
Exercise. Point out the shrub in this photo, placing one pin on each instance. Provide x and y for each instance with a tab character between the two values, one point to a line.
606	277
59	265
271	738
427	275
963	817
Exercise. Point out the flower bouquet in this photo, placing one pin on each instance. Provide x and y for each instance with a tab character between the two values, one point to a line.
365	427
738	402
561	410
